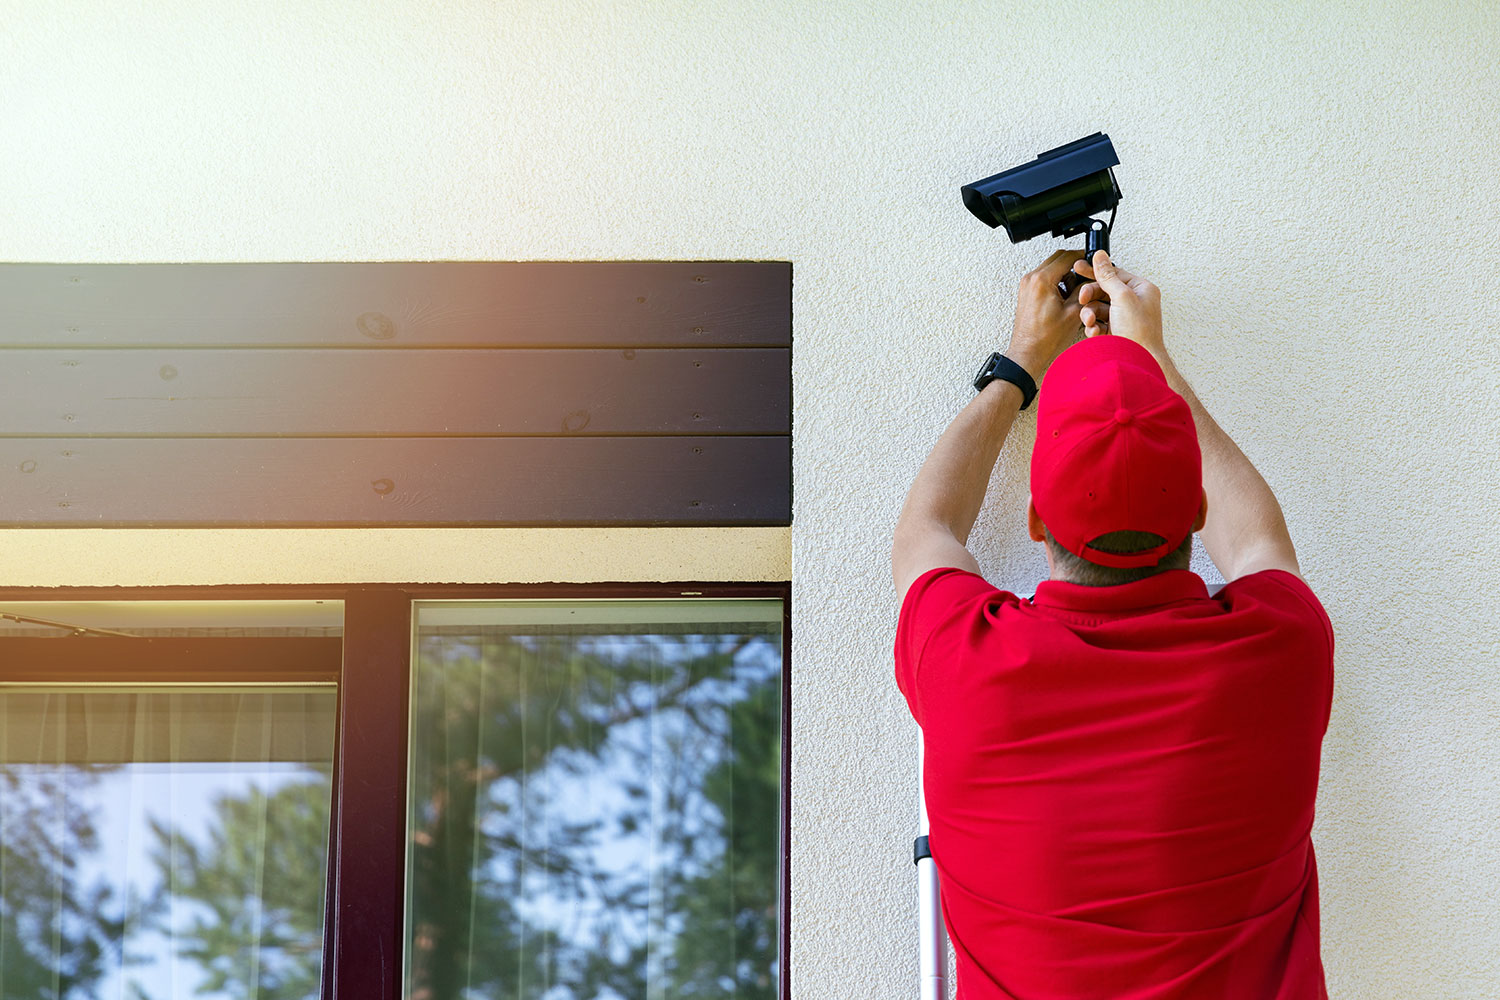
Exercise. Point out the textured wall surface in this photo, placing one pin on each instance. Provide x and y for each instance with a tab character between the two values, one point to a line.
1311	186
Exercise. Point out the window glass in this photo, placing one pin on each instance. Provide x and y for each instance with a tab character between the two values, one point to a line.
595	800
160	840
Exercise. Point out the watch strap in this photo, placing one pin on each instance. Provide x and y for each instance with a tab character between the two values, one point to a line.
998	366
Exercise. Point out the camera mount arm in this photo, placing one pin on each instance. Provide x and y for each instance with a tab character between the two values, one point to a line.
1096	238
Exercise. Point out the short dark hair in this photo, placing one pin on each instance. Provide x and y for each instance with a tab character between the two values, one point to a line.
1075	569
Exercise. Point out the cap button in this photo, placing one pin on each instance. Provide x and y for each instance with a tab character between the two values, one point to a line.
1122	416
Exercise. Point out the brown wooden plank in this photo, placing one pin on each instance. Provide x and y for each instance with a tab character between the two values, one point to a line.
730	480
316	392
398	304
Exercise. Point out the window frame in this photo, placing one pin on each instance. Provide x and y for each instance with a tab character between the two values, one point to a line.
364	920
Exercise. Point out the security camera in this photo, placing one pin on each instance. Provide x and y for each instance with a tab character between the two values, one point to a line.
1059	191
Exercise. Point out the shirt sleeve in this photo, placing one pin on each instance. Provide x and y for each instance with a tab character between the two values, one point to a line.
935	599
1296	585
1287	590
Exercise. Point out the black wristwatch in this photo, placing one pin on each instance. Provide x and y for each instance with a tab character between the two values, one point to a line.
1001	367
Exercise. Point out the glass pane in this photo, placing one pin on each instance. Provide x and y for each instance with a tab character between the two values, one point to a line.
160	841
595	800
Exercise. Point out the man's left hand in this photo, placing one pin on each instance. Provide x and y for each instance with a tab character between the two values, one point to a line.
1045	321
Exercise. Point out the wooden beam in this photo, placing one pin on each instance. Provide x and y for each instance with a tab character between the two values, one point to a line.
578	481
206	392
398	304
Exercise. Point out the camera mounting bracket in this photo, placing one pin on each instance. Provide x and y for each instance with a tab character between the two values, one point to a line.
1097	239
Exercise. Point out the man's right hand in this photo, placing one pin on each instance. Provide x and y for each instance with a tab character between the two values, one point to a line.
1120	303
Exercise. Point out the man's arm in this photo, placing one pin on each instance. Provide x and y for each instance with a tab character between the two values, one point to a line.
945	499
949	490
1245	530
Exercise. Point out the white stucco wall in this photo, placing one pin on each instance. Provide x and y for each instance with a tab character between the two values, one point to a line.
1311	185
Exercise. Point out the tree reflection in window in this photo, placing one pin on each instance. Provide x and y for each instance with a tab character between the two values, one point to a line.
60	928
163	842
595	810
257	879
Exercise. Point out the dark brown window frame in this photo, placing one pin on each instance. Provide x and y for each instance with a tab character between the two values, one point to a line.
364	923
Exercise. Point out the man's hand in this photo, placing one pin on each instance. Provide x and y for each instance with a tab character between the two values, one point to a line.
1134	303
1045	321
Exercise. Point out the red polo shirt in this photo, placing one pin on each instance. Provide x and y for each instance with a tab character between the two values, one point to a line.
1120	783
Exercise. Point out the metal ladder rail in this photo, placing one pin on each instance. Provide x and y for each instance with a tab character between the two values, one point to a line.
933	957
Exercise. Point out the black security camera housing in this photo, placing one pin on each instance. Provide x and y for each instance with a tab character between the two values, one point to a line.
1058	192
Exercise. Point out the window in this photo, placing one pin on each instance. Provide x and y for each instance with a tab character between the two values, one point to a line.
571	793
595	800
165	785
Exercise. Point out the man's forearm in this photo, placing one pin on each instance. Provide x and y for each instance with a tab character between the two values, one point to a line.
1241	507
950	487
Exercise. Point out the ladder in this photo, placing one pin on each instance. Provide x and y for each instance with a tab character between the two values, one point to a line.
933	957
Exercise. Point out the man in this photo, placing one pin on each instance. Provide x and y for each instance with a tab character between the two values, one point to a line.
1120	770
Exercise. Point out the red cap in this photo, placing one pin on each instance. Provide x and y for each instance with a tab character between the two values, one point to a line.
1116	450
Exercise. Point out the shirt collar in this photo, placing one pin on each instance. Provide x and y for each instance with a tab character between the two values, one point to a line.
1163	588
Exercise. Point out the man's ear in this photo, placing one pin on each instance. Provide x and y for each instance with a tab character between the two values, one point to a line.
1202	513
1034	522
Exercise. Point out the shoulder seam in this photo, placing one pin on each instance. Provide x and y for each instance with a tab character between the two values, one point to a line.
921	651
1318	610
